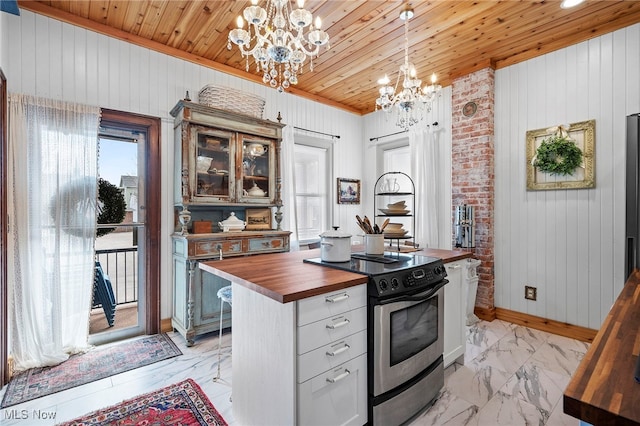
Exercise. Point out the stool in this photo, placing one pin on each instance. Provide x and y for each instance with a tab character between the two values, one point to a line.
224	294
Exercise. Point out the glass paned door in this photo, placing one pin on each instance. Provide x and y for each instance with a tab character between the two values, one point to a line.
258	163
213	165
120	253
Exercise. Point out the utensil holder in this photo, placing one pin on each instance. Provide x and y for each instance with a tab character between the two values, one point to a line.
374	244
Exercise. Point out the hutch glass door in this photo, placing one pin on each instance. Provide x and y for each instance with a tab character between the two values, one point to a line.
213	165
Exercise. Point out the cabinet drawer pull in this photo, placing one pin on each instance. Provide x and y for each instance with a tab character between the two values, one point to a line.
454	266
339	351
335	325
338	377
338	298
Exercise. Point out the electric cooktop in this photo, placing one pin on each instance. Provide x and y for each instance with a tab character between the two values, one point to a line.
377	264
392	273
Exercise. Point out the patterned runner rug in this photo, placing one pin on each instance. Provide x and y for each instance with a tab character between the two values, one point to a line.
88	367
181	404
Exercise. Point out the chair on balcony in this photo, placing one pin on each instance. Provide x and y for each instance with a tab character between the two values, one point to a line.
225	296
103	294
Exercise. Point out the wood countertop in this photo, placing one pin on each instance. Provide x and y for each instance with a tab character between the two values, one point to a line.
284	277
446	255
602	391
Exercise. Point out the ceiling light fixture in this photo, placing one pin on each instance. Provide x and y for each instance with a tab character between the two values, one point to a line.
413	101
280	46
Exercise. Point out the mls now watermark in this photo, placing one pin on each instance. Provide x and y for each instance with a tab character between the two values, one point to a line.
28	415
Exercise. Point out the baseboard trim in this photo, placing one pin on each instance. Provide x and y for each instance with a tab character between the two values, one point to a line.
556	327
165	325
485	314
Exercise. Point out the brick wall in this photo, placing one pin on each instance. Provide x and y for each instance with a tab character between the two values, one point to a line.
473	169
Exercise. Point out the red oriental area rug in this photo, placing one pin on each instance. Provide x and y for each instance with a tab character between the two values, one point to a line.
181	404
88	367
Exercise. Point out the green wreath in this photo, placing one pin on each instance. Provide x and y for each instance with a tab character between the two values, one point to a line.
558	156
112	207
73	203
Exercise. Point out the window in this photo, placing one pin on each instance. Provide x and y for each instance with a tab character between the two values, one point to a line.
397	159
312	173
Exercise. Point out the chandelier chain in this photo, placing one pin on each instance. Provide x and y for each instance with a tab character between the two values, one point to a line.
406	43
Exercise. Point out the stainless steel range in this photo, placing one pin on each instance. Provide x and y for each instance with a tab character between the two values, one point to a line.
405	327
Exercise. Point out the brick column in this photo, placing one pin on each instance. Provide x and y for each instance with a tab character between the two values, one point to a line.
473	179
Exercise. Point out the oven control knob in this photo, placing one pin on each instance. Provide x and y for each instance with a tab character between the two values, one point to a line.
383	285
439	270
394	283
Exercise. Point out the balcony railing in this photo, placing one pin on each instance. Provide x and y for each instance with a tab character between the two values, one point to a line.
121	265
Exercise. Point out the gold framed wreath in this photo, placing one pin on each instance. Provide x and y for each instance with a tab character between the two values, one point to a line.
561	157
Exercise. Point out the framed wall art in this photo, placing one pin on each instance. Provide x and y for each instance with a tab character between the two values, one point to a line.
258	219
561	157
348	191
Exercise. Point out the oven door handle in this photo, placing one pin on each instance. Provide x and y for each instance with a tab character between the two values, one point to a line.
420	297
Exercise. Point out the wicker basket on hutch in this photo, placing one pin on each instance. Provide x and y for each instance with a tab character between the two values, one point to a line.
233	100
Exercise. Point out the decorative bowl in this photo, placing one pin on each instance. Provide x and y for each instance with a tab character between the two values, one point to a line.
395	212
395	234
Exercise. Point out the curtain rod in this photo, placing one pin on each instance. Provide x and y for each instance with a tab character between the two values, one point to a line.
384	136
435	123
314	131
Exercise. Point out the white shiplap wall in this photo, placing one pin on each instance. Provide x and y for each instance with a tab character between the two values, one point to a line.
4	41
48	58
567	243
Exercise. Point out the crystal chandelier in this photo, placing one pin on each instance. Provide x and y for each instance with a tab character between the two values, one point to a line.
280	46
413	101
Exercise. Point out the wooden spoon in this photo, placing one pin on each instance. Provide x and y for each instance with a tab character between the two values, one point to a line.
367	222
384	225
361	224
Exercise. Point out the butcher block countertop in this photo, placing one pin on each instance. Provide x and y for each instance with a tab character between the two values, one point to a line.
284	277
602	391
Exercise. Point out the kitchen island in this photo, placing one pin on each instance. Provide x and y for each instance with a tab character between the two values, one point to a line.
602	391
284	330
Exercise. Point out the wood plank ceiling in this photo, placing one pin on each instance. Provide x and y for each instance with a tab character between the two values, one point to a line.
450	38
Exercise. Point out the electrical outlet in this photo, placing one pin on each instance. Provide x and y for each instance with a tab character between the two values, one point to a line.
530	293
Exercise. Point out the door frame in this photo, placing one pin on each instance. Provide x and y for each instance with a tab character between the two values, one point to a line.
153	206
4	230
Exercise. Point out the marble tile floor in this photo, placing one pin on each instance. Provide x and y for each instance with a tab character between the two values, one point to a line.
512	375
198	362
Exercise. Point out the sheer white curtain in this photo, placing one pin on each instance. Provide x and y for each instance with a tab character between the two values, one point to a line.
53	151
289	219
424	170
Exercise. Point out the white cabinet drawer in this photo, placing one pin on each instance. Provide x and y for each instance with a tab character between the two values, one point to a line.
337	397
331	356
325	331
330	304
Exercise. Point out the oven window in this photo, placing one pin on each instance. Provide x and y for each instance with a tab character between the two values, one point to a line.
413	329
